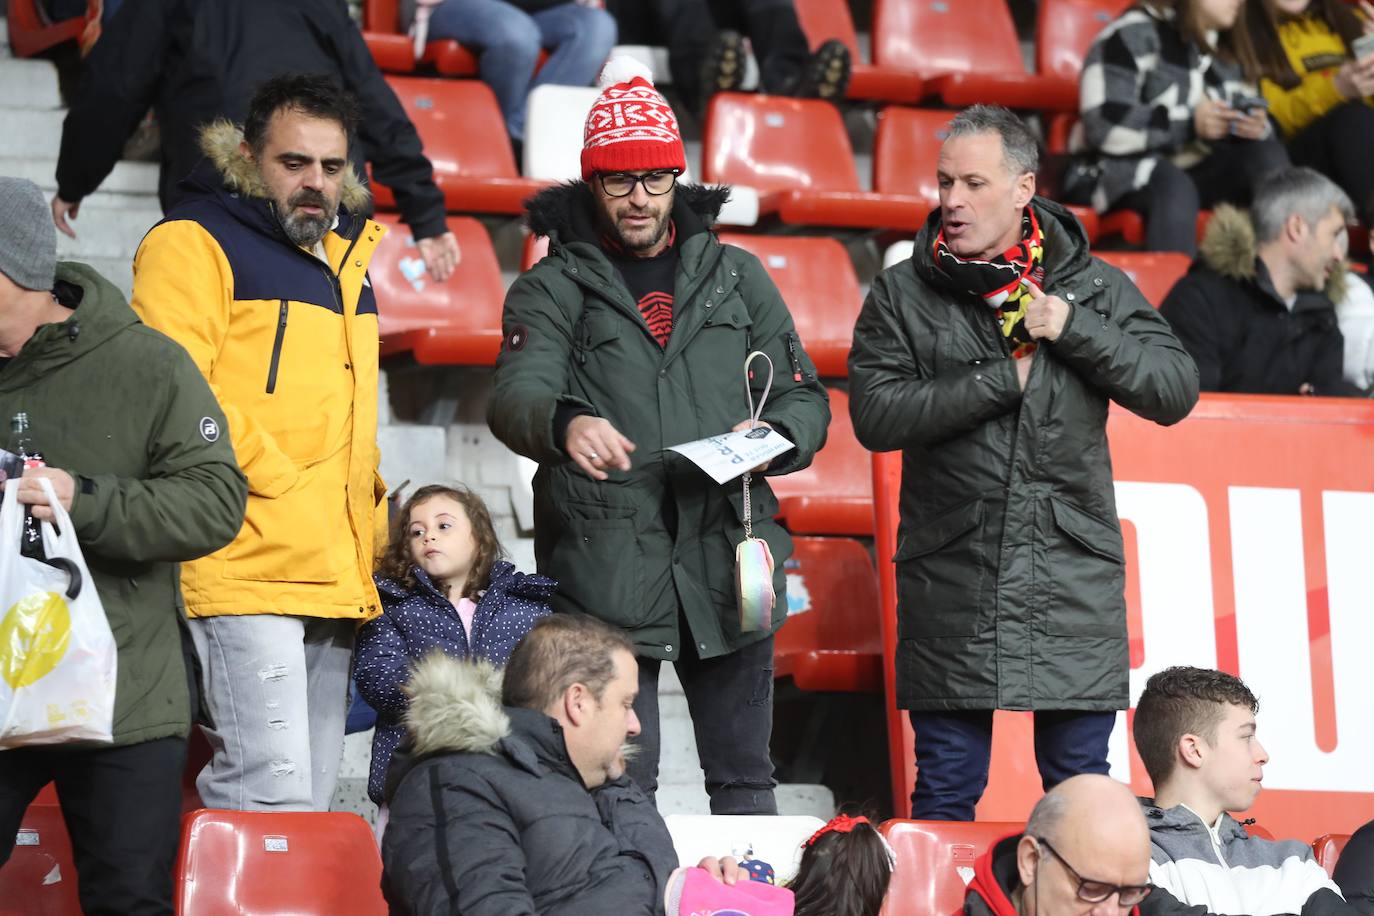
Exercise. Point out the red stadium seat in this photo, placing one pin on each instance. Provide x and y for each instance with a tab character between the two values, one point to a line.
833	637
30	35
394	51
1064	30
906	153
464	137
457	322
817	281
1328	848
40	877
968	48
796	154
536	246
273	863
823	20
1130	225
1153	272
835	494
935	863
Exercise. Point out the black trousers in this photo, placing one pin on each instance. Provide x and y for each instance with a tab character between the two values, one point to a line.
1174	197
122	806
688	28
1337	144
730	699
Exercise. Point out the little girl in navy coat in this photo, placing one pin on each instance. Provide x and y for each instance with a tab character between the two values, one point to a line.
443	586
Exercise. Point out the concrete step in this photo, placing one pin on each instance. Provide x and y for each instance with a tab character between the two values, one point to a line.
118	271
126	177
29	83
31	132
110	226
810	800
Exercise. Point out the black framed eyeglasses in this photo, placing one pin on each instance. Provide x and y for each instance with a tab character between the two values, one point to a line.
1090	891
622	184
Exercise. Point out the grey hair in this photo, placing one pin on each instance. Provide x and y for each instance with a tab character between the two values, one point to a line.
1019	149
1298	190
1047	815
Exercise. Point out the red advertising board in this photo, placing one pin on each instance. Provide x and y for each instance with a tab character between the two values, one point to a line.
1248	528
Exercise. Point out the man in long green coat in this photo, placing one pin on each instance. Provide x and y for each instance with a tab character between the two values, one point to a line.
989	359
628	339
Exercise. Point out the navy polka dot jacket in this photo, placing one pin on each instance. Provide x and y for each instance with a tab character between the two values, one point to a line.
415	623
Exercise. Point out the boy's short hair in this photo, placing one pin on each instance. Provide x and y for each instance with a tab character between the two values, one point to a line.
1182	701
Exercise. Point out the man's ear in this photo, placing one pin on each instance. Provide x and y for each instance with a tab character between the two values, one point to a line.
1295	227
1025	189
245	150
1192	751
1027	858
575	700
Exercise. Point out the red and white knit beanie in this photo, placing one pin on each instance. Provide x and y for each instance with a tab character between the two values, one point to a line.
631	127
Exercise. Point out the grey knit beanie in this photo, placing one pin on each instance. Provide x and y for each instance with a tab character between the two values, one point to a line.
28	237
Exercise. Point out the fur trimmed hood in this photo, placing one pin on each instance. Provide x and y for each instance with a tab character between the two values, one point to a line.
564	209
219	141
455	705
1229	248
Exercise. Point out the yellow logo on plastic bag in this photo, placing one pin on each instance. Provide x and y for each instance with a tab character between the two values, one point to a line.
33	638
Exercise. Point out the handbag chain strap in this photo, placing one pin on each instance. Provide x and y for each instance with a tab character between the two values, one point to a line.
754	414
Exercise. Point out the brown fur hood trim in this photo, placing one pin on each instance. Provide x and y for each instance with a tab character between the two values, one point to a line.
219	141
1228	247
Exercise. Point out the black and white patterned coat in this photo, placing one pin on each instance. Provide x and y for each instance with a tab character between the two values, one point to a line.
1141	81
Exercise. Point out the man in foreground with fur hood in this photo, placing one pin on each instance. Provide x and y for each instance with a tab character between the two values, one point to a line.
628	339
1256	310
510	796
262	276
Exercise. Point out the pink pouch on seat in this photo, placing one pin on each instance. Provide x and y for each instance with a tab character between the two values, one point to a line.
693	892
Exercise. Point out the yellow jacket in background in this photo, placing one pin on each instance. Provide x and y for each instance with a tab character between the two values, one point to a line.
289	346
1315	52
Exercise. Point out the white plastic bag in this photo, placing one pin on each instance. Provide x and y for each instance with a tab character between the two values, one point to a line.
57	654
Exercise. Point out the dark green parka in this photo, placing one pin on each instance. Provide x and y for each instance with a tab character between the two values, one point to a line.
638	548
1009	558
123	409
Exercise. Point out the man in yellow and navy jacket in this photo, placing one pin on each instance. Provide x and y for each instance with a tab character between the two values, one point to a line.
262	277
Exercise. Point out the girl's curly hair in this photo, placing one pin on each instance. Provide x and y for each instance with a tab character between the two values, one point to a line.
398	565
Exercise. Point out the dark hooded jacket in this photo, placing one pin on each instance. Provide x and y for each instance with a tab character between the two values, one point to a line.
489	817
193	61
123	409
1242	335
1009	560
1355	870
657	541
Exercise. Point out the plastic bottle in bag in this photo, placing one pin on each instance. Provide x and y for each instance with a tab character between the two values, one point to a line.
32	543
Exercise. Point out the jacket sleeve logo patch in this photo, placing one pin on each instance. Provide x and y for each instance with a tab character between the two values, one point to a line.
516	338
209	429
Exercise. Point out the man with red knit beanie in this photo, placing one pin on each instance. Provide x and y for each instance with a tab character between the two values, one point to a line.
630	337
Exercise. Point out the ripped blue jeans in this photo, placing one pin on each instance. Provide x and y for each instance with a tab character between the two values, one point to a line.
277	690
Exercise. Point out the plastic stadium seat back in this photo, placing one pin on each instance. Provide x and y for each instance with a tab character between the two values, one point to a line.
1064	31
457	322
272	863
774	839
556	116
464	136
382	16
535	247
1256	830
823	20
907	150
816	279
833	637
935	863
774	143
1153	272
835	494
1328	848
796	154
936	37
30	35
40	877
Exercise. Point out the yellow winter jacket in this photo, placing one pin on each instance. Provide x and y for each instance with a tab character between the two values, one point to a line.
1315	52
289	346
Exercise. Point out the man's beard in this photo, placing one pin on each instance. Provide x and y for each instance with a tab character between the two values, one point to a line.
304	229
654	238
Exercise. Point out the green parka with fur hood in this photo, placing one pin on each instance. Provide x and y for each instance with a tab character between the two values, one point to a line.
123	409
636	549
1010	573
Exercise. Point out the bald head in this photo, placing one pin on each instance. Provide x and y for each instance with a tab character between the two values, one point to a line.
1095	824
